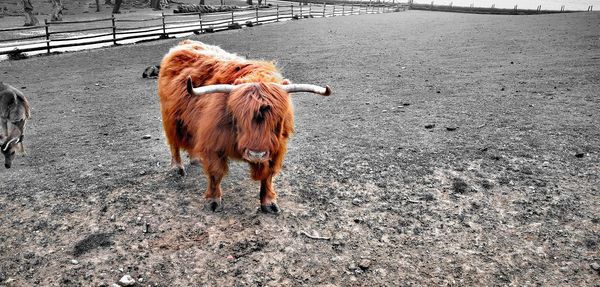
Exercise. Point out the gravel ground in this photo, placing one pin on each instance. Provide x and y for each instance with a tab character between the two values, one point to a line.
457	150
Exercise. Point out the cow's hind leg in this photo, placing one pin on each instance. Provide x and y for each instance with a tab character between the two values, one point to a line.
172	134
215	167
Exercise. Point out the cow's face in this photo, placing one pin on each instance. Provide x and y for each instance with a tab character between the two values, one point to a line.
263	116
8	148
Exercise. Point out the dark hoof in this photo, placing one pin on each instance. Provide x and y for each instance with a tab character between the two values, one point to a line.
270	208
214	205
178	171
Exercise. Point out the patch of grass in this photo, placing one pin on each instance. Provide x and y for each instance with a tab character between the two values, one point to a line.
460	186
16	54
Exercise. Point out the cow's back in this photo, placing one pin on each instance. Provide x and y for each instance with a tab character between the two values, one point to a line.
13	104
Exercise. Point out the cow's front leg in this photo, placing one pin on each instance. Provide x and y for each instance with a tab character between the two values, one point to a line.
268	197
215	168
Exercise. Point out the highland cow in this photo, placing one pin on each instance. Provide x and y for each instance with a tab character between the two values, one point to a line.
219	106
14	112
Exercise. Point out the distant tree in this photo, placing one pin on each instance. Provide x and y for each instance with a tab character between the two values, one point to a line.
97	5
57	8
30	19
117	6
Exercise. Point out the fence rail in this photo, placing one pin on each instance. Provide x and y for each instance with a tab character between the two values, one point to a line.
58	36
516	10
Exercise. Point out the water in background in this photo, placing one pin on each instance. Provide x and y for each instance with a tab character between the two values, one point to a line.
522	4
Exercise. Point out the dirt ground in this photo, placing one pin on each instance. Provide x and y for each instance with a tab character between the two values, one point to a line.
457	150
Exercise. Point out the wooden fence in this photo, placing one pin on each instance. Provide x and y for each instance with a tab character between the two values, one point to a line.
57	36
488	10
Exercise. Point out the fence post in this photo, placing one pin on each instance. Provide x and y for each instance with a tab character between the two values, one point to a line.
324	9
352	9
333	12
114	29
292	5
200	19
47	36
256	15
343	9
164	25
232	20
301	9
309	9
277	12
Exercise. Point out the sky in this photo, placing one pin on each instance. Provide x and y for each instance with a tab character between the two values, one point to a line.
525	4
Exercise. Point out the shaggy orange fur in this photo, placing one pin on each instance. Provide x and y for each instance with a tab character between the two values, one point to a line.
215	127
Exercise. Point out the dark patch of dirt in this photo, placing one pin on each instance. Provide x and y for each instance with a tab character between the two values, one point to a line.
503	200
91	242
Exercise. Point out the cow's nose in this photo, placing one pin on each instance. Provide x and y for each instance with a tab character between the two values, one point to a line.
7	165
256	154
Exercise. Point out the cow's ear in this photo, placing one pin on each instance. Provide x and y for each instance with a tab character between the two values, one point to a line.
286	82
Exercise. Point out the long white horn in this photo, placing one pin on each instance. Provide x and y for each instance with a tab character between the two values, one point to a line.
207	89
295	88
16	140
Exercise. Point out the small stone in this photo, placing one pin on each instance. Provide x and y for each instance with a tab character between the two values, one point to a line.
579	154
429	126
146	137
384	111
115	285
502	89
356	201
364	264
385	238
127	280
437	92
451	128
230	257
595	266
74	262
352	266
